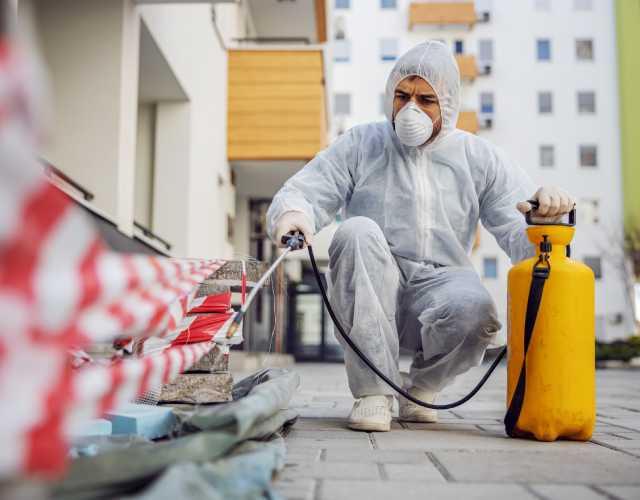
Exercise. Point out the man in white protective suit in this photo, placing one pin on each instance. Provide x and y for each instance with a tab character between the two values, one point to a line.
414	189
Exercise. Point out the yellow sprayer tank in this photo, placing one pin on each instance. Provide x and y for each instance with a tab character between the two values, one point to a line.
557	385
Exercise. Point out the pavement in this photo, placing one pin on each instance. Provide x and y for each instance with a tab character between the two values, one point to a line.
466	455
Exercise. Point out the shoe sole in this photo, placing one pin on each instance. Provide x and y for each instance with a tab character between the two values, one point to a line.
369	427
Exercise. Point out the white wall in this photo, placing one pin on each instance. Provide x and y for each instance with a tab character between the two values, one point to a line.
94	93
187	39
145	153
518	128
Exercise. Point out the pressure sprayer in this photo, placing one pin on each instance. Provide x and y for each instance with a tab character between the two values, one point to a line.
551	338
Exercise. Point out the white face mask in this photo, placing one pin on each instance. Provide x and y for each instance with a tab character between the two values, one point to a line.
413	126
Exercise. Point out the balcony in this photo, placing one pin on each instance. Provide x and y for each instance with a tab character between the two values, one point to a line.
442	14
468	120
300	21
468	66
276	104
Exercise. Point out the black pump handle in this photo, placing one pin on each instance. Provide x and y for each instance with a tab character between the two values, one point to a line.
535	204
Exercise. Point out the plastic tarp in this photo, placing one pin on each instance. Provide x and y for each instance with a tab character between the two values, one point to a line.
202	435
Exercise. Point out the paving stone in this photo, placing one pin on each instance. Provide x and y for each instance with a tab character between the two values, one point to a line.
322	413
565	492
331	470
495	428
599	466
376	456
329	444
440	426
198	388
303	454
321	424
623	492
295	434
466	440
469	443
295	489
412	472
405	490
618	442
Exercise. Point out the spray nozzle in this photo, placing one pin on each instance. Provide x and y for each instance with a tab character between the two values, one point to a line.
293	240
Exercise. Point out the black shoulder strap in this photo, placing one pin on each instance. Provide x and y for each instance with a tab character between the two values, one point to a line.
540	275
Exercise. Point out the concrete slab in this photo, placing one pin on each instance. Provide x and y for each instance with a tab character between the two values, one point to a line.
566	492
295	489
378	490
354	444
412	472
623	492
331	470
466	455
474	439
198	388
596	466
376	456
326	434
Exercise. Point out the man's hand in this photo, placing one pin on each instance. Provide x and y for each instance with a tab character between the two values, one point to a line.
553	203
294	221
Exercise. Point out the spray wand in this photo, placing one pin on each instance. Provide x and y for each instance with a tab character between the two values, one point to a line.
293	241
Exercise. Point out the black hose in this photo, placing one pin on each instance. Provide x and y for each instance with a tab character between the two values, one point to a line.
375	369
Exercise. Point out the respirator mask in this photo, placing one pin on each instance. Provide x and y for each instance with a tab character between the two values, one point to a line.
413	126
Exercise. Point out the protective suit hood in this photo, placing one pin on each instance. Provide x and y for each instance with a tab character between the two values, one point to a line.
434	62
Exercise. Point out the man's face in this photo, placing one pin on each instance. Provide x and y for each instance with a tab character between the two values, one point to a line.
416	89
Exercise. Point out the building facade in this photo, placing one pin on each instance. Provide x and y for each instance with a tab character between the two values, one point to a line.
539	79
174	122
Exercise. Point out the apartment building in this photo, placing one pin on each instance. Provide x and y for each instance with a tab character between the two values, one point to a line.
539	79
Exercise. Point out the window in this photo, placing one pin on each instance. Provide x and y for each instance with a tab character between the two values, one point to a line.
486	103
485	51
342	103
341	51
595	263
458	47
545	102
339	29
547	156
589	211
584	49
490	267
588	155
343	4
542	5
389	49
582	4
387	4
543	46
586	102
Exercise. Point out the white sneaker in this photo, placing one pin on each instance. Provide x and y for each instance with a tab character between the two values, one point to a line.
411	412
371	413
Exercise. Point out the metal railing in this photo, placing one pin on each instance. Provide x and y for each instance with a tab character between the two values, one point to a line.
51	170
151	235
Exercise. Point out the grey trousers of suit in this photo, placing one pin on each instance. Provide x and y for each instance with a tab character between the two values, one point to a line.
443	314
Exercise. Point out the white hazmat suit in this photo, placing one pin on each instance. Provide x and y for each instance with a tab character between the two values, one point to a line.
400	272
